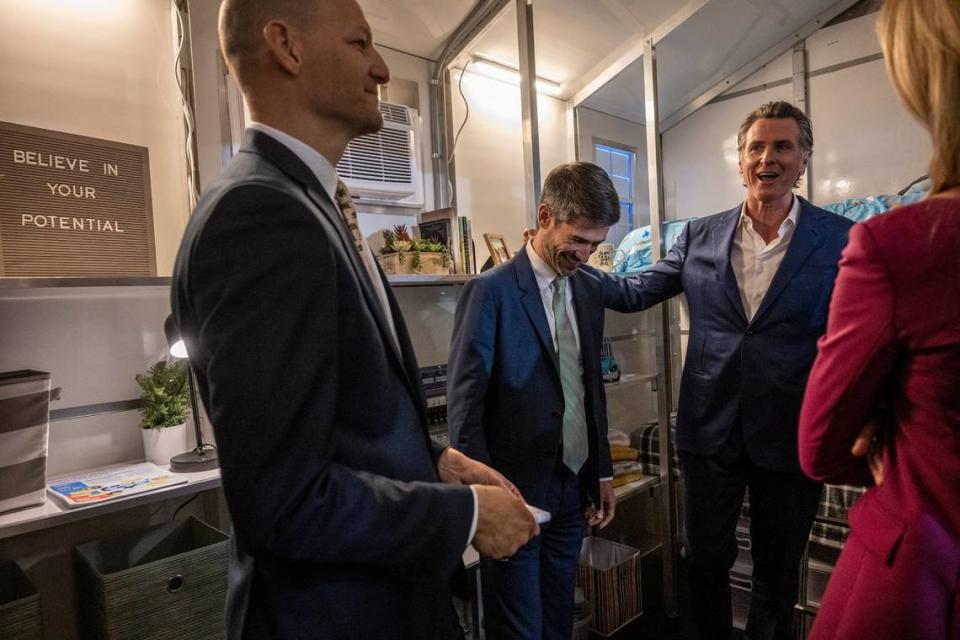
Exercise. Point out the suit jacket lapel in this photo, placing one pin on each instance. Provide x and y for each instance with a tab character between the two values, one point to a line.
805	240
411	368
723	234
533	303
262	144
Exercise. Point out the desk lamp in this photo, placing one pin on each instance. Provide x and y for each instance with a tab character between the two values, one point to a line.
203	456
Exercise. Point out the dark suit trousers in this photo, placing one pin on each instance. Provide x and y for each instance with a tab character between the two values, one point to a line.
782	508
530	595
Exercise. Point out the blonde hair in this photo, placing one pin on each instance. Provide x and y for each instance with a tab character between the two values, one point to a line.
921	46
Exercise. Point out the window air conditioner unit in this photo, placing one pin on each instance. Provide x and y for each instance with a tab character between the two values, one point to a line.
384	167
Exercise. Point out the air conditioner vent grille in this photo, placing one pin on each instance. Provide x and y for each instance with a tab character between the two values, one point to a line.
394	113
382	157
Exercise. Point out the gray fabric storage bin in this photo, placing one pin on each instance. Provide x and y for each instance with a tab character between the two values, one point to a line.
19	605
167	582
24	428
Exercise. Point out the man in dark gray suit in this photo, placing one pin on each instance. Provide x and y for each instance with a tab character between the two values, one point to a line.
342	526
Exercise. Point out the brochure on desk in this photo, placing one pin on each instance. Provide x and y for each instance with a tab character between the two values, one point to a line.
113	483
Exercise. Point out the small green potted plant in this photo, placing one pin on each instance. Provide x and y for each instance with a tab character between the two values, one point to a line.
402	254
164	405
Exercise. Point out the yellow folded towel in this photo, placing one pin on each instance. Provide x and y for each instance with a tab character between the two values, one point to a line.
622	480
619	452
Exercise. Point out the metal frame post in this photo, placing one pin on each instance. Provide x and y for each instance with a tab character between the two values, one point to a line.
801	100
664	358
528	108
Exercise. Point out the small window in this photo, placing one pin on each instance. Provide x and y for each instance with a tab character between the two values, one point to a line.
618	163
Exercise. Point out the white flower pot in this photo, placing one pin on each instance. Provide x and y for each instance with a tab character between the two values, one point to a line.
159	445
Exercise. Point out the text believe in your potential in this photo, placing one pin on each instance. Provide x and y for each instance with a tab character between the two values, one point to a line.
64	190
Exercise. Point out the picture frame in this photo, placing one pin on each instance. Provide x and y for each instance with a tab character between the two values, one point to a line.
498	248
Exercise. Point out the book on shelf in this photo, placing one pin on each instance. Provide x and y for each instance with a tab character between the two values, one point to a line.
112	483
441	225
468	261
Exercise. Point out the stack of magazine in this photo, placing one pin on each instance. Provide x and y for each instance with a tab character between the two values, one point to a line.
112	483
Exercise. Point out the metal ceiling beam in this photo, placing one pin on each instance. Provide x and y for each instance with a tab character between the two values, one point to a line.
756	64
633	50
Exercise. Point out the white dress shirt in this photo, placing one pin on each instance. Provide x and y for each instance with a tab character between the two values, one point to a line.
546	275
755	262
327	176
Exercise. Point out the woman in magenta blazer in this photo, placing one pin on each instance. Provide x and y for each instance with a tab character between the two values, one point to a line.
890	364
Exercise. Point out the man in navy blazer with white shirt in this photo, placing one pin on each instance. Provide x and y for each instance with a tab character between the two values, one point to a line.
348	521
525	395
758	280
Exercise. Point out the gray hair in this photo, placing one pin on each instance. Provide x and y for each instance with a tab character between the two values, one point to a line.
778	110
581	191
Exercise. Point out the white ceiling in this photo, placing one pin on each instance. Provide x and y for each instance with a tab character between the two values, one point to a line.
575	40
420	27
622	96
573	37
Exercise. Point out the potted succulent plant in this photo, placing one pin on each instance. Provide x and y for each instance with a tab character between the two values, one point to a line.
164	405
402	254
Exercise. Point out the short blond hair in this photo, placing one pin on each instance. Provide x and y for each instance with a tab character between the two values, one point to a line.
921	46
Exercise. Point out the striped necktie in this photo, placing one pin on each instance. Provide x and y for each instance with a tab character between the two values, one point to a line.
575	445
348	211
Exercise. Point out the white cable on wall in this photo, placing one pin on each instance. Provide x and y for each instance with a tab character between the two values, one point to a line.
193	194
456	138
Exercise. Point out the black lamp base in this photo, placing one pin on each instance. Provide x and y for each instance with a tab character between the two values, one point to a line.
199	459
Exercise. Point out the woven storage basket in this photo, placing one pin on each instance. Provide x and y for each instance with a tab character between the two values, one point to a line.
164	583
609	574
19	605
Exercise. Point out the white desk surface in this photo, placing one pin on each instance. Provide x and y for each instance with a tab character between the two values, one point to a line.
51	514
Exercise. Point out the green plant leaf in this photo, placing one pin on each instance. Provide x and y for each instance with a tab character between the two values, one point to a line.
164	395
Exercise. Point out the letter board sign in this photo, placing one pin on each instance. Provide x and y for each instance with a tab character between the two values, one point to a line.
73	206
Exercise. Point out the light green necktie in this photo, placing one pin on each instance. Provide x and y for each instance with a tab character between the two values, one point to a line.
575	446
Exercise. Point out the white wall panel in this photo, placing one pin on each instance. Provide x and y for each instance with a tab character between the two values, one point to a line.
843	42
779	69
865	141
93	342
489	156
98	441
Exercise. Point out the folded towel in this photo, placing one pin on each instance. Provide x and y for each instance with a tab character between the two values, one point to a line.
622	480
623	468
616	436
618	452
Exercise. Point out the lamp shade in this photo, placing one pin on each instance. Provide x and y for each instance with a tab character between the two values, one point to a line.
178	349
